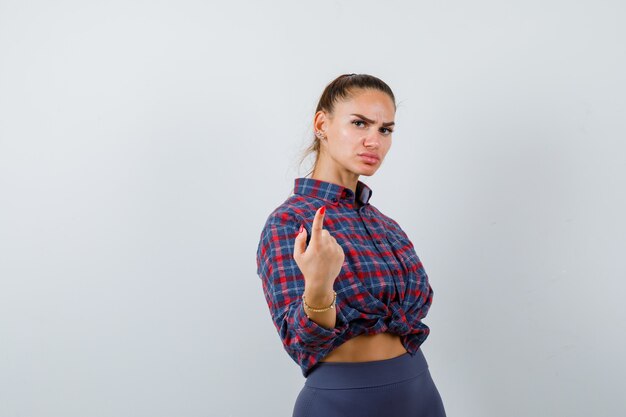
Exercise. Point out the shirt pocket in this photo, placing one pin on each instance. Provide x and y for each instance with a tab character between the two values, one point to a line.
412	267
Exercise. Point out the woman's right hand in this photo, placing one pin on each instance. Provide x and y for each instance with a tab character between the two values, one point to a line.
321	261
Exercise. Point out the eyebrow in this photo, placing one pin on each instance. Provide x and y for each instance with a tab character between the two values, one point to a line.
371	121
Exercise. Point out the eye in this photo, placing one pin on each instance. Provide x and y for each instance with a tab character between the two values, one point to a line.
358	121
389	131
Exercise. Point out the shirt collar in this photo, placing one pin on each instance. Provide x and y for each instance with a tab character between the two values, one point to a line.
331	192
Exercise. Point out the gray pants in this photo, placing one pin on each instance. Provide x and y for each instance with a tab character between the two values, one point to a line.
398	387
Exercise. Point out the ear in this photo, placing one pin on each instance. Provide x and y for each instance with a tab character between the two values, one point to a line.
320	121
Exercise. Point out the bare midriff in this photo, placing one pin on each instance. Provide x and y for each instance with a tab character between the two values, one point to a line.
364	348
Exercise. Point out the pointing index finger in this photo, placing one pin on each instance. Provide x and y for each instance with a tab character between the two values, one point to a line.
318	222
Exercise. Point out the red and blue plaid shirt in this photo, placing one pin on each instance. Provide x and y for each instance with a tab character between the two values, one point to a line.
382	286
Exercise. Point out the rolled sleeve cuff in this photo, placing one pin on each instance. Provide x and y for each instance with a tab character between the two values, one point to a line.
312	334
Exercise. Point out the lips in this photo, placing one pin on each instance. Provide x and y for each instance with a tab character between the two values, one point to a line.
369	157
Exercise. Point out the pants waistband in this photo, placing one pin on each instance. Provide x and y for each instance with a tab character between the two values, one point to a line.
341	375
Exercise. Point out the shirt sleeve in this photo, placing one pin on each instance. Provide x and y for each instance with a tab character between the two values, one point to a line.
283	285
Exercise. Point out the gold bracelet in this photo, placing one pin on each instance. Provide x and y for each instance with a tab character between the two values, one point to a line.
320	310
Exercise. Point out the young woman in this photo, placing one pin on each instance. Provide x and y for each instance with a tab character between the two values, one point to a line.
344	286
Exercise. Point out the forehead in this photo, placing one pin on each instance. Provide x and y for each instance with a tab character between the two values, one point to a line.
370	102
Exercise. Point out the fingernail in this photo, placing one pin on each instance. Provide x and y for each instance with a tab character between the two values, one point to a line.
301	229
323	209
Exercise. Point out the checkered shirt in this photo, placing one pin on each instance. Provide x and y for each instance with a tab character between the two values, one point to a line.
382	286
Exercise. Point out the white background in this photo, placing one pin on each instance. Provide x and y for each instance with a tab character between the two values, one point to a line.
144	143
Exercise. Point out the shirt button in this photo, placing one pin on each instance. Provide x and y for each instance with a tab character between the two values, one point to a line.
334	199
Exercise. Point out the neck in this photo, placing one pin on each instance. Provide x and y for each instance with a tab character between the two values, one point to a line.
345	179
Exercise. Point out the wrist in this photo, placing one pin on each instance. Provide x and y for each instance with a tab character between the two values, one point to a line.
308	308
318	297
317	290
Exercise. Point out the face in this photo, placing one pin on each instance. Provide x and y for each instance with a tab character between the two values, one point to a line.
359	133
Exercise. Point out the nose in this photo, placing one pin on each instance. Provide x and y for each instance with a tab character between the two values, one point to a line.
371	140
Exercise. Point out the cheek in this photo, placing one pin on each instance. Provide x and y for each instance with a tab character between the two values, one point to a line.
385	151
348	141
347	134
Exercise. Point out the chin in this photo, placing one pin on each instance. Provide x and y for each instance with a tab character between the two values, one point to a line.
367	172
